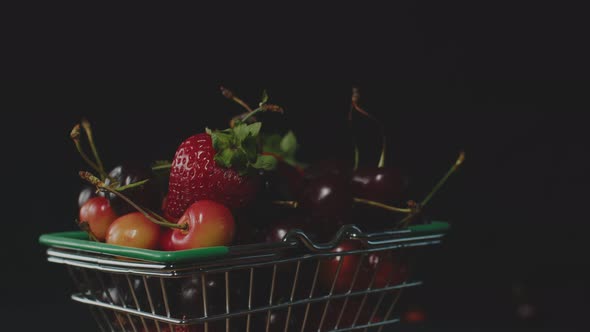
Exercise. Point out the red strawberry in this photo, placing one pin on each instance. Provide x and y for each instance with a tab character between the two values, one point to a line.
195	175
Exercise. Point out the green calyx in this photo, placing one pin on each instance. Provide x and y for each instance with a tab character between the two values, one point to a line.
237	148
284	147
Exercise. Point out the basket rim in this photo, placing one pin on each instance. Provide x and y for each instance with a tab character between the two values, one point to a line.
79	240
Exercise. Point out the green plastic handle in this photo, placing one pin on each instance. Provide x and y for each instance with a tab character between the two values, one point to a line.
79	240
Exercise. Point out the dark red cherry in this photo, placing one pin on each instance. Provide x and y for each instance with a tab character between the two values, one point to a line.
328	196
384	185
328	167
147	195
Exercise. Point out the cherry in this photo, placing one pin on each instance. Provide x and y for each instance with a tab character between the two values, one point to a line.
283	183
328	166
384	184
208	224
186	295
276	321
389	269
98	214
146	195
278	229
342	282
134	230
119	293
327	196
165	240
85	194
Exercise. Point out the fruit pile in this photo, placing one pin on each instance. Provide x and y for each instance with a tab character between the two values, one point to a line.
239	186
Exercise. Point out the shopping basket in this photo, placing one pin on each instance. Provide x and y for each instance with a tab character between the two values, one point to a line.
260	287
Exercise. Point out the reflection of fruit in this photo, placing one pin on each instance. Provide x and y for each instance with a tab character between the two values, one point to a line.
209	224
195	176
98	214
414	316
146	195
134	230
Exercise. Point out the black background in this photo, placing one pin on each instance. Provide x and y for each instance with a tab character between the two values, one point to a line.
517	206
504	83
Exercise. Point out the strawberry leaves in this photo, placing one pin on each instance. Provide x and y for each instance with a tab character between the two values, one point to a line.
284	147
237	148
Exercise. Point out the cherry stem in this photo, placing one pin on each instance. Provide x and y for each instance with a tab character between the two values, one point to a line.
442	181
75	136
381	205
163	166
289	204
230	95
88	130
84	226
151	216
263	108
131	185
356	159
355	99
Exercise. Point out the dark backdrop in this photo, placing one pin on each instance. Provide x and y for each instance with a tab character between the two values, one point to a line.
517	207
496	80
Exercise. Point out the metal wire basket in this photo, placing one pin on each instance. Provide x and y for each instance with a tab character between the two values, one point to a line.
295	285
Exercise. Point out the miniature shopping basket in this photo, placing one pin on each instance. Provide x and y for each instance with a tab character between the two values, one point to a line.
261	287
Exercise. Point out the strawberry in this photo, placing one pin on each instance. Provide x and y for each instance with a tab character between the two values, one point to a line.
219	166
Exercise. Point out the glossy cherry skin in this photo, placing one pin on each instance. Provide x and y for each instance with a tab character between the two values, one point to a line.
165	240
327	196
328	167
134	230
209	224
383	185
276	322
147	195
388	268
99	215
343	282
279	228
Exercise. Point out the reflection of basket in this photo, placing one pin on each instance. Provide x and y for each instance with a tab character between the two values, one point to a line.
272	287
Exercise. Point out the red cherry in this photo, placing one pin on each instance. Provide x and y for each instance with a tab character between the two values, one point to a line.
165	240
329	267
134	230
209	224
414	316
99	215
389	269
383	185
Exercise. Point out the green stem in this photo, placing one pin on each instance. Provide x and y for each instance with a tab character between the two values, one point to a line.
230	95
88	161
356	156
131	185
88	130
153	217
159	167
355	99
442	181
381	205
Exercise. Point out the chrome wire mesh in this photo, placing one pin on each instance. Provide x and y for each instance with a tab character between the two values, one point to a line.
302	290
